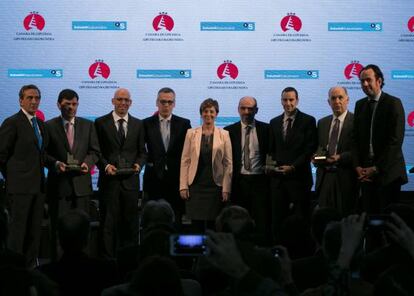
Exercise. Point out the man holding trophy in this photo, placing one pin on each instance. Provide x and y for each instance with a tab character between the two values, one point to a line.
72	151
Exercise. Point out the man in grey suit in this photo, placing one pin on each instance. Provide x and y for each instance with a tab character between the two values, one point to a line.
22	144
121	137
335	177
379	127
72	151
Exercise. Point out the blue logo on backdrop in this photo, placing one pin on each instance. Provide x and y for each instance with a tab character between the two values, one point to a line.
162	74
402	74
227	26
291	74
222	121
35	73
354	27
99	26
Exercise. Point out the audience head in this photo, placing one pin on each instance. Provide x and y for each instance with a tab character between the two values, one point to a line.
73	229
236	220
332	241
157	276
320	219
3	228
157	212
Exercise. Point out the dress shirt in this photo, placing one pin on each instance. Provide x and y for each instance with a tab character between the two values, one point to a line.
256	164
116	118
341	119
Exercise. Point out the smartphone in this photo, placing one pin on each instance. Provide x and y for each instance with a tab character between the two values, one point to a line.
188	245
377	221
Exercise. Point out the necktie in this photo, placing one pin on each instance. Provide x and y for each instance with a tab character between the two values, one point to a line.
69	134
288	129
121	131
37	133
165	134
371	104
333	139
246	149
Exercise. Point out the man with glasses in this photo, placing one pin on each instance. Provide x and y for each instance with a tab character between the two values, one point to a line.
121	137
164	137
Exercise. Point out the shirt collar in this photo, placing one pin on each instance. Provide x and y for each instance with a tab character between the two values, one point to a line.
72	121
252	125
341	117
29	116
285	116
377	97
116	117
160	118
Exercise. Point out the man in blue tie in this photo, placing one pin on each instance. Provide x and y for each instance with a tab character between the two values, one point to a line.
21	162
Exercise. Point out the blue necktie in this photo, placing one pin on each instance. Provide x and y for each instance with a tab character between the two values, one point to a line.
37	132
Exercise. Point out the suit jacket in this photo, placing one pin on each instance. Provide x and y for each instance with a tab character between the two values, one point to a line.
300	147
345	170
222	163
133	150
21	160
85	149
387	138
158	158
235	132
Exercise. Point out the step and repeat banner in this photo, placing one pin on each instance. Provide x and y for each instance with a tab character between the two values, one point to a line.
215	48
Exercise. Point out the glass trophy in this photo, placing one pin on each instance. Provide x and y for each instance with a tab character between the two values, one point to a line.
124	167
321	155
72	164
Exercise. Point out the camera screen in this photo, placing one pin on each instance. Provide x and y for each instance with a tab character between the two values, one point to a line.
188	245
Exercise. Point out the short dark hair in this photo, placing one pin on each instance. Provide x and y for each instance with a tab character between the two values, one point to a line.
377	71
288	89
157	212
67	94
207	103
26	87
73	229
166	90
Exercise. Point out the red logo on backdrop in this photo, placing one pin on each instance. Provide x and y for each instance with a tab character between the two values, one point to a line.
99	68
40	115
410	119
34	20
410	24
227	69
163	22
291	22
352	70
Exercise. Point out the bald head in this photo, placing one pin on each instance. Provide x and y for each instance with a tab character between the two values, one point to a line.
338	100
247	109
121	101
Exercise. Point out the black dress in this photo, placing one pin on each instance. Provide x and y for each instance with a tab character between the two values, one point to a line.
205	196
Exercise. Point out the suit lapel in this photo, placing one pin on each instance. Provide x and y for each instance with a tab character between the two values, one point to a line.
216	142
62	133
78	129
157	132
110	126
326	126
344	132
197	140
173	128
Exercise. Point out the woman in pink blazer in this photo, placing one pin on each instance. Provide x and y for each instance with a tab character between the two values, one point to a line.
206	168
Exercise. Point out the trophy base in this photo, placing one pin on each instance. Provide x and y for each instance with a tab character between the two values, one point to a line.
73	168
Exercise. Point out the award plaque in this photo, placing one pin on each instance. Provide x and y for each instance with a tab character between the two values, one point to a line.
321	155
124	168
72	164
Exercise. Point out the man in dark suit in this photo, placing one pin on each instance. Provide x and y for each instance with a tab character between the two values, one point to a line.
249	142
335	177
379	126
21	162
164	137
72	151
292	143
121	138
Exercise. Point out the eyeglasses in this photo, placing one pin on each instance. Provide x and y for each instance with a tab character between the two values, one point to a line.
126	100
166	102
